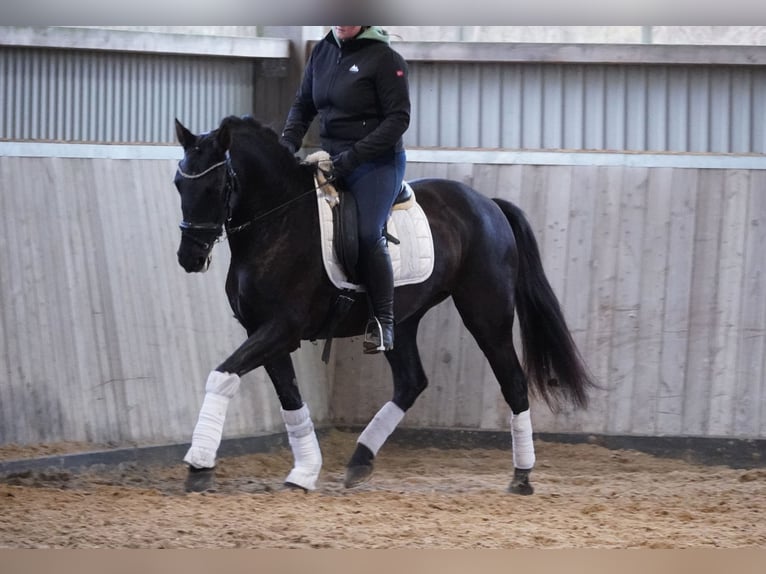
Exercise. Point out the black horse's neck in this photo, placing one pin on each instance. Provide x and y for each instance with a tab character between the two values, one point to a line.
270	181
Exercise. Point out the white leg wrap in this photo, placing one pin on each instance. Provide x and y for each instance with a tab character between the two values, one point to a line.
521	437
206	438
305	447
381	426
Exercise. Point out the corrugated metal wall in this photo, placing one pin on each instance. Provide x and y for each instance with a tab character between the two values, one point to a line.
117	97
123	97
719	109
103	337
660	274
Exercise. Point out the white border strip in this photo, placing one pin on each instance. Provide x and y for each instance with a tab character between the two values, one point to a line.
68	38
90	151
577	158
418	155
620	54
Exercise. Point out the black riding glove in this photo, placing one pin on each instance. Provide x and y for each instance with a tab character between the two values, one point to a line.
289	145
341	165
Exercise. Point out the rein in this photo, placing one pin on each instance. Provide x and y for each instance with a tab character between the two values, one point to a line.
231	230
230	183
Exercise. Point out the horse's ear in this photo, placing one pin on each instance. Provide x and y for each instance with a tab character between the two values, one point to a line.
223	134
185	137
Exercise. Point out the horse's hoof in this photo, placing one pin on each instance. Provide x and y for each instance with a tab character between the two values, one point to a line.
295	487
520	483
200	479
524	489
356	475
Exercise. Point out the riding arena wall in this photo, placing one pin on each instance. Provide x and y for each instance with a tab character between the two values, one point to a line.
641	174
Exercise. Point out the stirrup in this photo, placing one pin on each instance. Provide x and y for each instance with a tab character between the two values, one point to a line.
373	337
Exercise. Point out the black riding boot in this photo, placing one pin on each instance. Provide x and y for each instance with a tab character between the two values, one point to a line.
379	281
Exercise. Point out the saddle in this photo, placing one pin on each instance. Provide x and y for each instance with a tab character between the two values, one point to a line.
345	238
344	215
412	261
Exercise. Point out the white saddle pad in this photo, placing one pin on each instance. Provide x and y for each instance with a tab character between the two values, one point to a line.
412	259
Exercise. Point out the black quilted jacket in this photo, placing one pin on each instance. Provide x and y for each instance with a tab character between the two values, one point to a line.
360	91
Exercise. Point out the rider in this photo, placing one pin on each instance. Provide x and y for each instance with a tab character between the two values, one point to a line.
358	85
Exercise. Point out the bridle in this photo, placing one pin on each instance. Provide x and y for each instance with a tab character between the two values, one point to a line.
231	183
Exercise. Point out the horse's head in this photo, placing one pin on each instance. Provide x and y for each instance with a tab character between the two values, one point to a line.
204	180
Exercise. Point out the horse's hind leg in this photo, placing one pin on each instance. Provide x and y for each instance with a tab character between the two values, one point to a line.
409	382
513	385
491	326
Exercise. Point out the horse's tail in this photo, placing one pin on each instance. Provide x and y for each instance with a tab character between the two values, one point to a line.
552	362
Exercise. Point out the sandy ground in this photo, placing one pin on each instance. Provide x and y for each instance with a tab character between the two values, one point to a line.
586	497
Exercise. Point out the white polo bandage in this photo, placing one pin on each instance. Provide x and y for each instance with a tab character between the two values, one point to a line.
206	438
521	438
305	446
381	426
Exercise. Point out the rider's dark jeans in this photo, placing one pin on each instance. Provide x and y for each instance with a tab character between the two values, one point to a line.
375	185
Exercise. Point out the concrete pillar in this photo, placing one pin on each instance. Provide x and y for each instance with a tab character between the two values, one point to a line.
277	82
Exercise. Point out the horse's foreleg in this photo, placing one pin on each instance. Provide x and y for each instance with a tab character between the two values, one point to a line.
409	382
306	453
268	344
206	438
303	441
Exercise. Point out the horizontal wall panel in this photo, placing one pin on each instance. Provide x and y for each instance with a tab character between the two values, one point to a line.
660	276
103	336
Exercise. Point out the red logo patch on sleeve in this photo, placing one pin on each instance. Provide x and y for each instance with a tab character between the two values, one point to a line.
399	73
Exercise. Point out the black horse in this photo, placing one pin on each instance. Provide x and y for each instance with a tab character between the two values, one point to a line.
239	180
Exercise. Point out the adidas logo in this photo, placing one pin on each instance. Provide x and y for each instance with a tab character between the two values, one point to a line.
353	69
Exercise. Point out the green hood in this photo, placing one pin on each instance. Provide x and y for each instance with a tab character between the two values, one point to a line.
371	33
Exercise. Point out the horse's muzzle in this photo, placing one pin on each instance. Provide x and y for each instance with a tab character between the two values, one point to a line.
194	260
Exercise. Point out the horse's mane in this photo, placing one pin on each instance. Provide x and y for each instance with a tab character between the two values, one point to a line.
253	137
248	126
